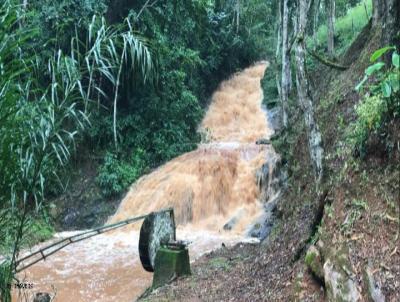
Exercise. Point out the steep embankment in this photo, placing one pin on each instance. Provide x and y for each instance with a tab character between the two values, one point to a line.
350	223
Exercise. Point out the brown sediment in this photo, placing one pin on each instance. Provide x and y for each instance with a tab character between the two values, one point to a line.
206	187
209	185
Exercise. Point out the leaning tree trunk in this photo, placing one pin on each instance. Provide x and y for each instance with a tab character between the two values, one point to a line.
330	5
304	94
285	85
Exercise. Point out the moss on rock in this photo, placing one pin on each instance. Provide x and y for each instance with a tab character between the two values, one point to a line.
169	264
314	262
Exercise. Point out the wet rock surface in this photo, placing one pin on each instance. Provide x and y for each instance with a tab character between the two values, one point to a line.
82	206
42	297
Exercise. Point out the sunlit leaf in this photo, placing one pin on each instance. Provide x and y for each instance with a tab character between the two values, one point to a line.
380	52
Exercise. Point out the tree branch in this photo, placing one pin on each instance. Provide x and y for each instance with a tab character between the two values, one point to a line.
326	61
146	5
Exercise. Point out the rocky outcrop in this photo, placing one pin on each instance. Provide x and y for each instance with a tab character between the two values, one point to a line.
263	180
314	262
42	297
335	272
339	283
263	141
271	180
374	292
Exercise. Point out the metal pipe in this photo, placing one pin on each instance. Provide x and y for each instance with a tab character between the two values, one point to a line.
78	237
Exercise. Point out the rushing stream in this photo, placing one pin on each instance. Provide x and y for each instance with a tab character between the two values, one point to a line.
209	188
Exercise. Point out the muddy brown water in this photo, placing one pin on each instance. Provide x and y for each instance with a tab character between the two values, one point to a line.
206	187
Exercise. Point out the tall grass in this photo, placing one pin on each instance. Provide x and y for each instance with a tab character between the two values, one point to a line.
347	27
44	105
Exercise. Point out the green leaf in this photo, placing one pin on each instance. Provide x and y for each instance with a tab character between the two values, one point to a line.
371	69
386	89
394	81
380	52
361	84
396	60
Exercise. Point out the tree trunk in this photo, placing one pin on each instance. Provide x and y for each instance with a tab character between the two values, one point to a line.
304	94
330	5
317	4
391	23
278	28
285	87
386	13
377	11
237	15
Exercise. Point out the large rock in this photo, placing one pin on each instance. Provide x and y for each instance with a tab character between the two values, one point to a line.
42	297
263	141
313	261
339	283
374	292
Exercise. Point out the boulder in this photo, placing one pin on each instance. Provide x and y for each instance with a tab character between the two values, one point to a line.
263	141
374	292
314	262
339	283
42	297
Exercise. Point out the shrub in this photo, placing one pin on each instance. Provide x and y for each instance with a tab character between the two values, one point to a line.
36	229
381	101
370	113
116	175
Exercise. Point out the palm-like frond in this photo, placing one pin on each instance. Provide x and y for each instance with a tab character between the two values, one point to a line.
111	48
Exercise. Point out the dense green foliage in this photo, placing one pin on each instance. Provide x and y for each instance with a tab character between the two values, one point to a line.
40	112
195	45
381	101
351	20
351	17
128	82
47	95
115	175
